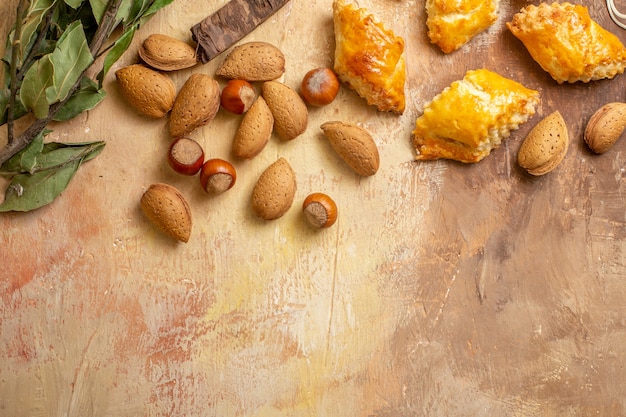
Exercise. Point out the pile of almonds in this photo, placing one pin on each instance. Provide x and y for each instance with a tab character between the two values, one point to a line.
277	109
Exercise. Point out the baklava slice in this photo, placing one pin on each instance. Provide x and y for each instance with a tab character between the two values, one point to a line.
369	58
472	116
564	40
453	23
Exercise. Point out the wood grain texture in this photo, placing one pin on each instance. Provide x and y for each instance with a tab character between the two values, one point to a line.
443	289
228	25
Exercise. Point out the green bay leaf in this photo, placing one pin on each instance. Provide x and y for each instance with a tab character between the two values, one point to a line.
55	166
26	159
30	26
70	59
56	154
119	47
74	4
98	7
155	7
124	12
29	192
33	90
135	10
86	98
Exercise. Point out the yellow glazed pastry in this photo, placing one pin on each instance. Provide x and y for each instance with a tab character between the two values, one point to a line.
369	58
452	23
472	116
567	43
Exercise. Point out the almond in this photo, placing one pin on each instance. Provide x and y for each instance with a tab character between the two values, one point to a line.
605	127
289	110
254	131
545	146
150	92
168	210
354	145
196	104
274	191
253	61
166	53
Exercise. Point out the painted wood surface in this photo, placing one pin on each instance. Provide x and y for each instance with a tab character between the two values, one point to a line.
443	290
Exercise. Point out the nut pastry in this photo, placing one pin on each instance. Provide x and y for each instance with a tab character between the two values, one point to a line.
472	116
453	23
369	58
567	43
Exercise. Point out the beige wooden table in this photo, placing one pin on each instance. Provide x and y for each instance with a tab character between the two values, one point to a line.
443	290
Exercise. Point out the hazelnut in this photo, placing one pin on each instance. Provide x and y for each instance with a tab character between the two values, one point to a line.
217	176
319	86
320	210
237	96
185	156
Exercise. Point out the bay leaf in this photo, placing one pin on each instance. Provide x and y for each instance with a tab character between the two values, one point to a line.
98	7
70	59
119	47
55	168
74	4
54	154
94	149
37	9
86	98
26	159
154	7
124	12
33	90
136	10
31	191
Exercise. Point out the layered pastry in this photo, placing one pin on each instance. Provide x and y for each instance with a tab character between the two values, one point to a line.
564	40
369	58
472	116
453	23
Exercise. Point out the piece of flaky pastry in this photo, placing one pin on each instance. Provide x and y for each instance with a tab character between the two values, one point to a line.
472	116
569	45
369	58
453	23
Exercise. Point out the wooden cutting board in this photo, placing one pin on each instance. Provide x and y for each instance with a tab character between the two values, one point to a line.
444	289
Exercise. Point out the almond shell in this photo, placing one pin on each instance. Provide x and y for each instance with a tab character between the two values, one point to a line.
166	53
254	130
253	61
196	104
274	191
605	127
168	210
150	92
290	112
545	145
354	145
